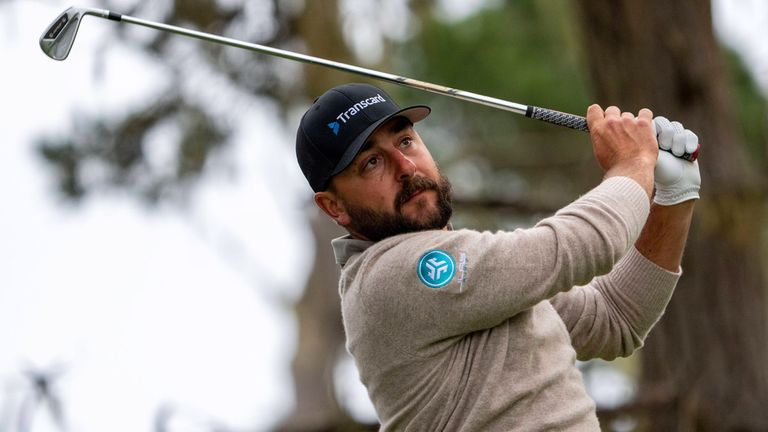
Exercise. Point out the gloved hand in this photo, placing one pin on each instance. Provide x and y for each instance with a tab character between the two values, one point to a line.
676	180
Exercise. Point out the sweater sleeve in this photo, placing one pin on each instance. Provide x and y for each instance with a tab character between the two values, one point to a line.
611	316
482	278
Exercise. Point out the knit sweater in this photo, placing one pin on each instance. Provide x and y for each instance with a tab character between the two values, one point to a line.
479	331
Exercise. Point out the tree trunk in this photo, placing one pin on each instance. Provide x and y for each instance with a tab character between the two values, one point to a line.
705	365
321	335
320	340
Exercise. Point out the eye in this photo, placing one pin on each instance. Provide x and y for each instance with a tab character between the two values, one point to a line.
406	141
371	163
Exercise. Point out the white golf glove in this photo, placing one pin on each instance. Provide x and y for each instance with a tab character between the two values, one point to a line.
676	179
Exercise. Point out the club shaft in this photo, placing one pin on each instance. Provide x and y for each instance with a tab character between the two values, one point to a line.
550	116
396	79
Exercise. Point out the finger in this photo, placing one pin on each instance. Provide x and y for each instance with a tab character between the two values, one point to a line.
664	132
612	111
661	124
628	115
691	142
678	138
594	113
678	143
645	118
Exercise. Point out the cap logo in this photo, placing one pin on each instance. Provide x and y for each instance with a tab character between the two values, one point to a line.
354	109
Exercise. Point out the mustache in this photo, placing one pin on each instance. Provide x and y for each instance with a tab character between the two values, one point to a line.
413	186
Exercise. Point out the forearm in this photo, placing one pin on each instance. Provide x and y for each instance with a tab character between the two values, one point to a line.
612	315
663	238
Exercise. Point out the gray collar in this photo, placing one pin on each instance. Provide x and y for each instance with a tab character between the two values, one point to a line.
346	247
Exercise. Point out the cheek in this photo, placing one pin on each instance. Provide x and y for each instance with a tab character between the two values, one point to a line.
378	194
429	166
383	195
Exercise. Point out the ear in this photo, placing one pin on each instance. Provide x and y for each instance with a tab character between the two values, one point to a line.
331	205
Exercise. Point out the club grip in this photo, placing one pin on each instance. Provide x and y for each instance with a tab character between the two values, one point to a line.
580	123
558	118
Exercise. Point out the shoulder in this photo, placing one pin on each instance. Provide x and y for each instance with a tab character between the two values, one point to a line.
427	259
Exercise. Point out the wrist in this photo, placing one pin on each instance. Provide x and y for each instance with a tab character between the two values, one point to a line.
675	196
638	168
664	234
678	210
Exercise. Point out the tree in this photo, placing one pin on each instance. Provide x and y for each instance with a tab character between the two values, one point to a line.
318	312
523	51
704	365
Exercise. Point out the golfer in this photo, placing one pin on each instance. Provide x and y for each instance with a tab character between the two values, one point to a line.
460	330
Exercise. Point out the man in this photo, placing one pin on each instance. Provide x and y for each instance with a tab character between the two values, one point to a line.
477	331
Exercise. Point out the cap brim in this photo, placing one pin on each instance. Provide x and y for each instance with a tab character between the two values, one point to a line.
414	113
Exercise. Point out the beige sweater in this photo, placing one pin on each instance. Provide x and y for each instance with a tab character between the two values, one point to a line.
477	331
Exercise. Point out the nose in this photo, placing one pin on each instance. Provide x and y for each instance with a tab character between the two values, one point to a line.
404	165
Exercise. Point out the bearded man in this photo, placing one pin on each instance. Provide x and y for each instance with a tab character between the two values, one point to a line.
456	329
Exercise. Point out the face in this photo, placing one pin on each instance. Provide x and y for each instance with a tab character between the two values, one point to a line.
393	186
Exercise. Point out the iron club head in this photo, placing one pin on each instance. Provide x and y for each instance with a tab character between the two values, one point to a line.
57	39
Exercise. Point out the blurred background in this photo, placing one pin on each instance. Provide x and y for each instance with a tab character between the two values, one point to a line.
162	267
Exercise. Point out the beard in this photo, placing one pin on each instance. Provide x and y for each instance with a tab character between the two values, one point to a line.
377	225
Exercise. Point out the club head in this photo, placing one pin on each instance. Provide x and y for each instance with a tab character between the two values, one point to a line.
58	37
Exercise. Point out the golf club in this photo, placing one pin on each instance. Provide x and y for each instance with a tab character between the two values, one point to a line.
57	39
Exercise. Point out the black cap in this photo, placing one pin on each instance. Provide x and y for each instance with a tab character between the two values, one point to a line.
337	125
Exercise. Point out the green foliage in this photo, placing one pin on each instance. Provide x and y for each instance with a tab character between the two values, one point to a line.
751	109
522	51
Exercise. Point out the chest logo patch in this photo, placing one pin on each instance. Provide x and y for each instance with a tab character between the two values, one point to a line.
436	269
